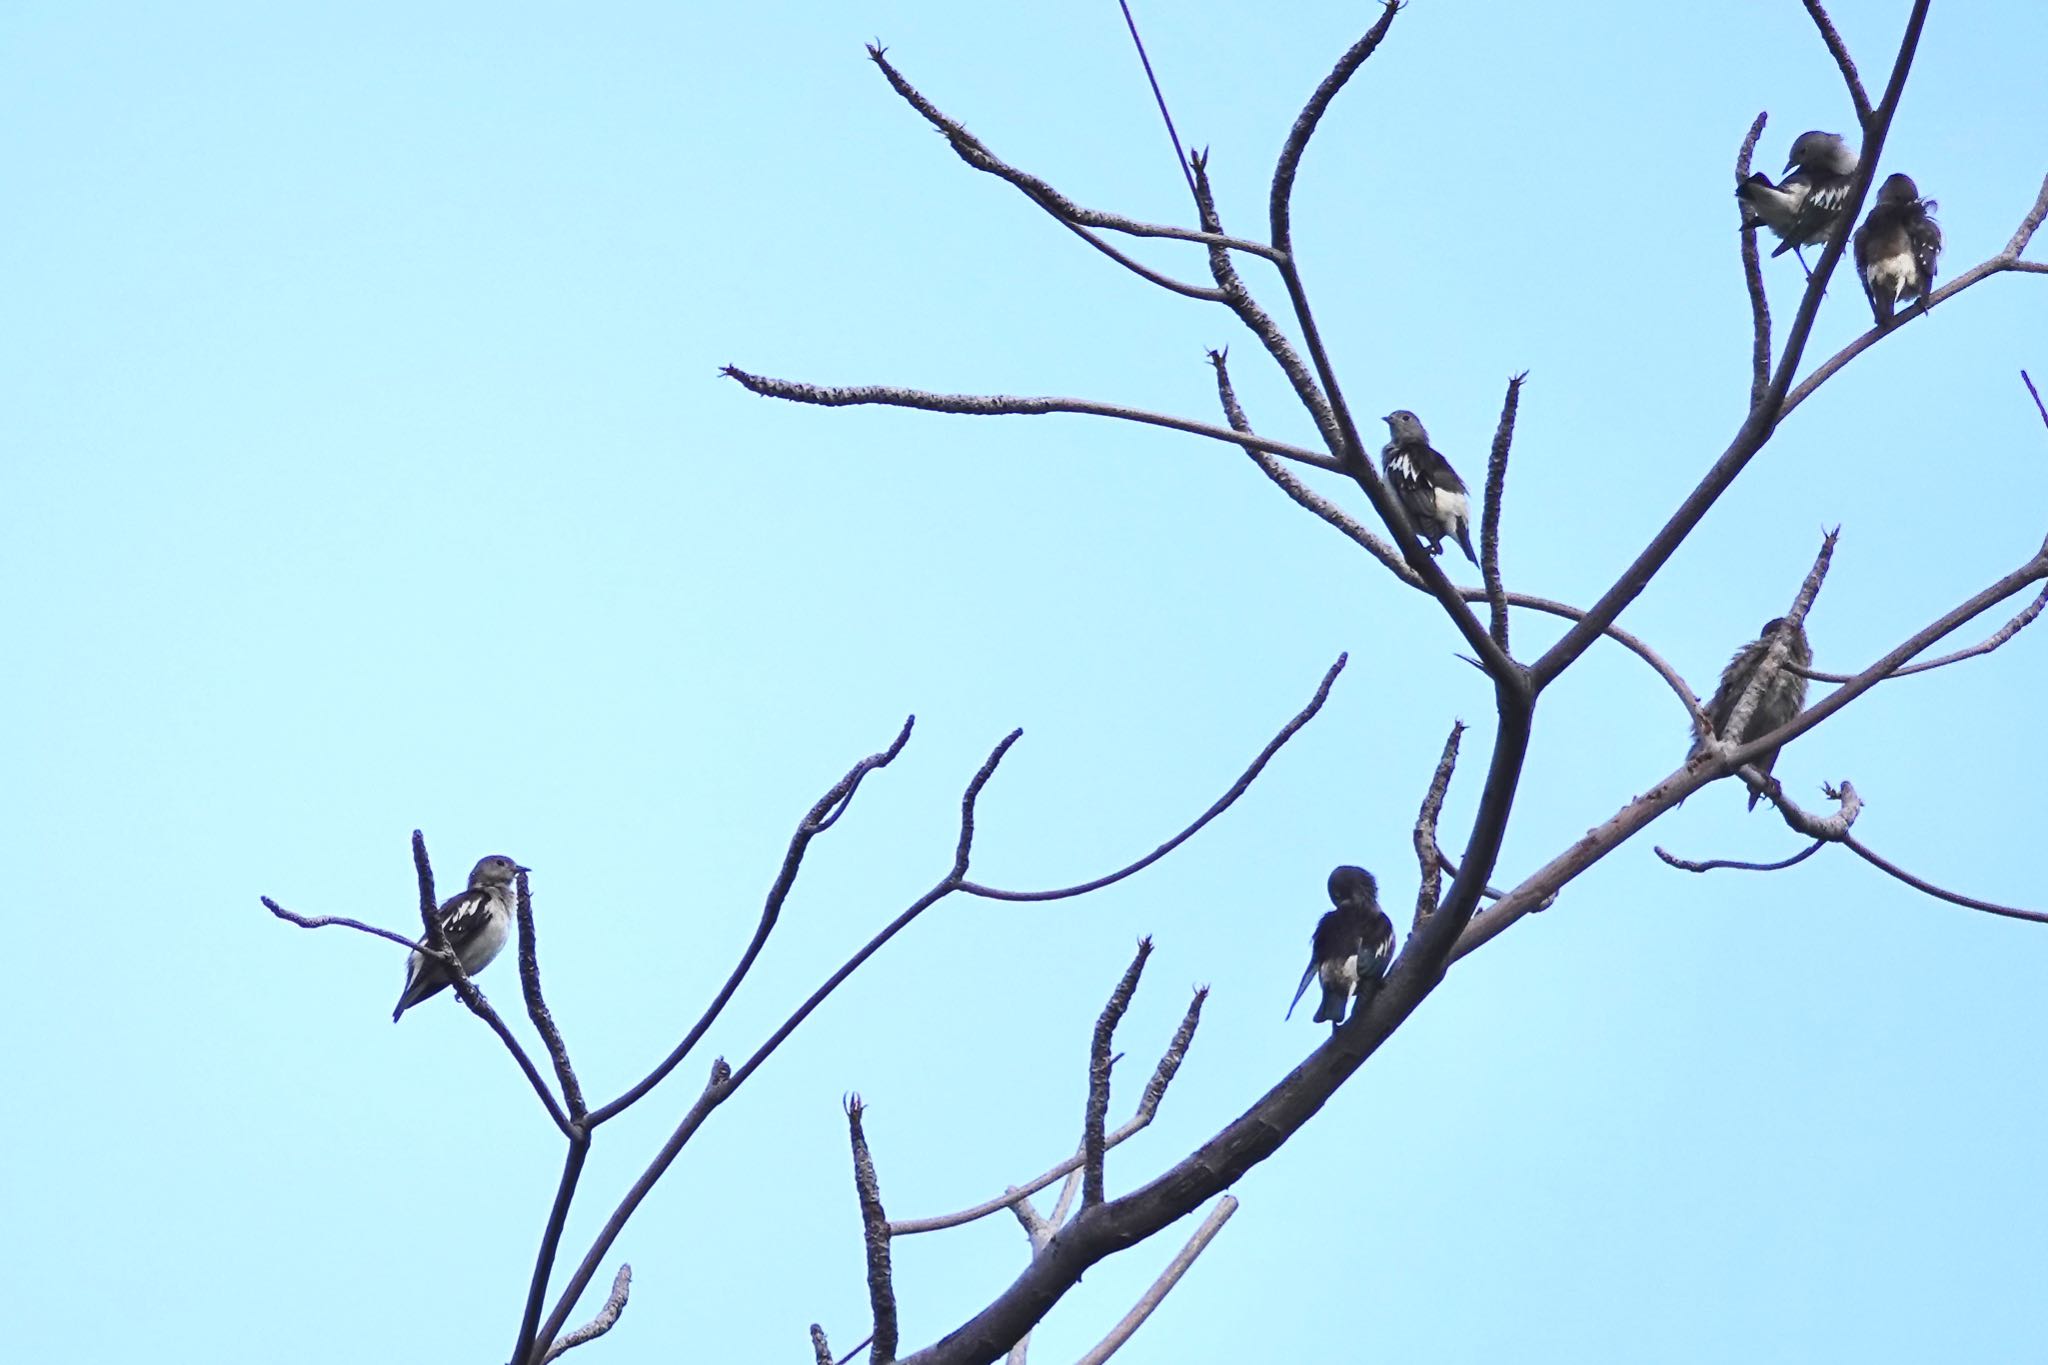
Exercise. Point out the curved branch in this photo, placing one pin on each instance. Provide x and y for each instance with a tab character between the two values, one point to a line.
607	1316
1163	1286
1216	808
1840	52
1686	865
823	814
1891	869
1984	646
341	921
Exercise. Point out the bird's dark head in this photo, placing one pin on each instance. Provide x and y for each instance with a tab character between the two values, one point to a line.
495	870
1405	426
1353	886
1800	652
1818	151
1898	189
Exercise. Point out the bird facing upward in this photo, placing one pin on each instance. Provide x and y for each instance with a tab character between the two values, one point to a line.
1805	207
1430	490
477	921
1351	948
1783	697
1896	248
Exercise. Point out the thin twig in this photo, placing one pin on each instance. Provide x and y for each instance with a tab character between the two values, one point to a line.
1489	523
607	1316
1168	1278
1158	95
341	921
2028	380
1712	864
1985	646
1840	52
1426	851
1885	865
1097	1111
823	814
1753	281
1216	808
874	1237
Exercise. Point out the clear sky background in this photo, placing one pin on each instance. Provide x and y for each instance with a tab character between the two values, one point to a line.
366	466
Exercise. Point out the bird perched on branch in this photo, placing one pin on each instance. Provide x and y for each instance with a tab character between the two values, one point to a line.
1429	488
1352	946
1782	698
477	922
1896	248
1806	206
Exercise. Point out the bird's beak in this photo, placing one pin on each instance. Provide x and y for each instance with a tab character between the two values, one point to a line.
1388	418
517	868
1790	162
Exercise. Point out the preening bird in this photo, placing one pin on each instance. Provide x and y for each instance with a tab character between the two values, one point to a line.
477	922
1351	948
1805	207
1783	696
1428	487
1896	248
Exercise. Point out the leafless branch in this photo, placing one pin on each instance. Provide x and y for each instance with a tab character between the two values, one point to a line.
2028	380
998	405
875	1238
858	1347
1162	1286
1753	281
1489	524
537	1005
1097	1112
1216	808
1840	52
340	921
1885	865
823	814
1984	646
1426	852
821	1349
1685	865
607	1316
1159	96
550	1243
1148	1107
1827	828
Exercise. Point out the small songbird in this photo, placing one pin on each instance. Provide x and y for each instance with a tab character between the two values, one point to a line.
1804	208
477	922
1896	248
1430	489
1352	946
1784	694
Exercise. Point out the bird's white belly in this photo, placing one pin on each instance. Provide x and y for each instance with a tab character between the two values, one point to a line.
1894	274
490	941
1343	973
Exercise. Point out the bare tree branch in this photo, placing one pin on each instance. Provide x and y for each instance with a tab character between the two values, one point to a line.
1427	854
1097	1111
1753	281
874	1238
550	1243
341	921
2028	379
821	1349
1984	646
1840	52
1148	1107
1159	96
1162	1286
537	1005
1885	865
607	1316
1489	524
1684	865
823	814
1827	828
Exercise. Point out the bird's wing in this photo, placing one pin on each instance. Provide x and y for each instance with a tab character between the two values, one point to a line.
1925	235
464	916
1302	989
1861	243
1438	471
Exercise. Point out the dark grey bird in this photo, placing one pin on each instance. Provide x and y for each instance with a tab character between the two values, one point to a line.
1351	948
1783	697
1429	488
1896	248
1805	207
477	921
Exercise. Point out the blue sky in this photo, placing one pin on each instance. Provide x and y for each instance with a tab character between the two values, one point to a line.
367	468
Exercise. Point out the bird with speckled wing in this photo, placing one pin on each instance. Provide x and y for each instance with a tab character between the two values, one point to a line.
1896	248
1806	206
1351	948
477	922
1430	490
1783	697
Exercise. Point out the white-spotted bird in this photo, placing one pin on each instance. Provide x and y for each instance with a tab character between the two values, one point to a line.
1896	248
1429	488
1352	946
1806	206
477	922
1783	696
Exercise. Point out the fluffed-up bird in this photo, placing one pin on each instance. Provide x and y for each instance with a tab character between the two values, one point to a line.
477	921
1896	248
1429	488
1351	948
1783	696
1805	207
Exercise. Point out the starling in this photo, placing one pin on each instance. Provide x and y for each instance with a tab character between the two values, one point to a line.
1352	946
477	922
1803	208
1784	694
1896	248
1430	489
